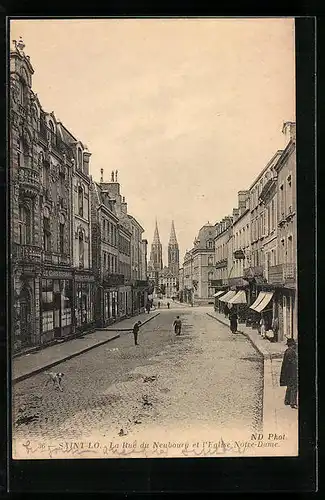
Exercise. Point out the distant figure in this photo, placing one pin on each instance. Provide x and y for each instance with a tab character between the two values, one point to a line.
262	327
158	305
136	328
233	321
168	305
177	326
148	307
289	374
226	310
275	329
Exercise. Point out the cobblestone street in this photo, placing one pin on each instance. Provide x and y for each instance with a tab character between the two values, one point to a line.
205	380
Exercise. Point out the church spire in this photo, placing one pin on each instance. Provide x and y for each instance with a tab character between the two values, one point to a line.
156	238
172	238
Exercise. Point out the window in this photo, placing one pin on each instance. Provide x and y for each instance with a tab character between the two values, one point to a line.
289	194
282	201
24	225
210	260
47	304
51	130
61	236
80	201
105	261
210	275
20	153
210	244
81	250
283	252
104	230
46	233
79	159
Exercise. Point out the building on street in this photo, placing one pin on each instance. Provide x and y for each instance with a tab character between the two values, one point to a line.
52	280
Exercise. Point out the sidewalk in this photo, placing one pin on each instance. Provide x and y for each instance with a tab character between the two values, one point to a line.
277	418
32	363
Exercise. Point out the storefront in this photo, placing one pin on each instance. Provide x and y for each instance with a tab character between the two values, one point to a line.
263	308
56	302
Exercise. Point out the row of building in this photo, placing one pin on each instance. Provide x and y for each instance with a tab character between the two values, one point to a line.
78	258
251	253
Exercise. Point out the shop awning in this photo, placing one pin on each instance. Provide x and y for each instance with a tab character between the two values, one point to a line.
239	298
259	299
219	293
264	302
228	296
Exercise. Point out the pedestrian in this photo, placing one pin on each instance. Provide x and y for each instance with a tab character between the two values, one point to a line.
158	305
226	310
136	328
148	307
262	327
289	374
233	321
168	305
275	329
177	326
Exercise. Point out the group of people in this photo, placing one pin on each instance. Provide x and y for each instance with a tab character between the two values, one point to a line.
136	327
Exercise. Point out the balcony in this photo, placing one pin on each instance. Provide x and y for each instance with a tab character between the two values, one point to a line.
252	272
29	181
221	263
110	279
28	254
140	283
56	259
289	271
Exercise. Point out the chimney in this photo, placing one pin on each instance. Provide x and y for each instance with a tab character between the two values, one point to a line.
242	200
124	206
235	213
86	158
101	175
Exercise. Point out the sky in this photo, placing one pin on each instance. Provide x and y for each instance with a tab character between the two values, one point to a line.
189	111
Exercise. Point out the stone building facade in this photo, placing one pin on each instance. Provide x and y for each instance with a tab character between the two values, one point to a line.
47	164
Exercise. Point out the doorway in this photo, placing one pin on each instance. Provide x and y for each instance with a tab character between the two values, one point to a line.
25	318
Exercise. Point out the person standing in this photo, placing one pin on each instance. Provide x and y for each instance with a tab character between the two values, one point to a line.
275	329
148	307
233	321
289	374
158	305
136	328
168	305
177	326
262	327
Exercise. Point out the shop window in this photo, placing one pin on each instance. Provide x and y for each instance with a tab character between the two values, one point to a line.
80	201
47	305
24	225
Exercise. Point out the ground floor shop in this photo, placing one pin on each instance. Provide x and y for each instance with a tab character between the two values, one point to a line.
49	305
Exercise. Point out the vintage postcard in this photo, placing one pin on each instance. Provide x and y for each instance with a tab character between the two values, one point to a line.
153	237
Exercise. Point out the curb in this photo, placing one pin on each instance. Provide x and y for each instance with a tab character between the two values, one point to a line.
110	329
66	358
73	355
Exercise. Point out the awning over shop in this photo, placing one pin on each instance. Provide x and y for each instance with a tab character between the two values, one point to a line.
239	298
259	299
228	296
219	293
264	302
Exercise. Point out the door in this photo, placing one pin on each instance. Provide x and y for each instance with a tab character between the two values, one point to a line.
57	315
25	319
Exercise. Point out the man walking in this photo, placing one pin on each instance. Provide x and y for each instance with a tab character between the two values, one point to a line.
168	305
233	321
289	374
136	328
177	326
148	307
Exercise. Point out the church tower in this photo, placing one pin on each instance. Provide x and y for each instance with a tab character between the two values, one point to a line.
156	252
173	252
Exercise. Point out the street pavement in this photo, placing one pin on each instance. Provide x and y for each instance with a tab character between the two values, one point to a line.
207	382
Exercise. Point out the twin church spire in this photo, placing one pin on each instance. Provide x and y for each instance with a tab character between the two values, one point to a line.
173	251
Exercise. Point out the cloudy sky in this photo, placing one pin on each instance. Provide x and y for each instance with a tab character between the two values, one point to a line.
188	111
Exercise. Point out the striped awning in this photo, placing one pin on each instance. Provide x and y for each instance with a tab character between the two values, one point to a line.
259	299
239	298
219	293
229	295
264	302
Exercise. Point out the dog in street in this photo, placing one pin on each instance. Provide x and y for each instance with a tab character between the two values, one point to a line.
55	378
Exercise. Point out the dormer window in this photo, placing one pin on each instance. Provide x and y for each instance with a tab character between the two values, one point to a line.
210	244
51	130
79	159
